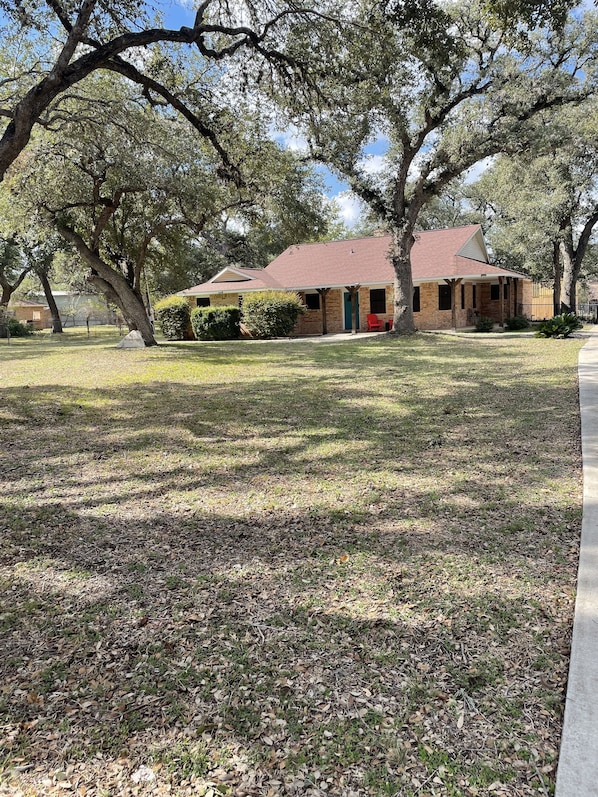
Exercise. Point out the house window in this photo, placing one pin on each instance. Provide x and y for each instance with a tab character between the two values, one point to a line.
506	291
416	300
462	297
444	297
312	301
378	300
494	293
203	301
474	296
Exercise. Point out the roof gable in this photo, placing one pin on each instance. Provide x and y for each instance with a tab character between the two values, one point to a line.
475	247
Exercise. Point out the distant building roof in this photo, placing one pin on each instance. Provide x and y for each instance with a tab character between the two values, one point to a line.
27	303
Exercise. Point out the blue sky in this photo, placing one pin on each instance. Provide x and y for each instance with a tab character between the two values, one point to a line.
177	14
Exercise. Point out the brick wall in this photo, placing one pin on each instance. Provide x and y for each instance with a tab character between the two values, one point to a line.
37	317
429	316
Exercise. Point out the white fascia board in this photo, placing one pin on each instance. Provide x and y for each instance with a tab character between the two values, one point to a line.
476	277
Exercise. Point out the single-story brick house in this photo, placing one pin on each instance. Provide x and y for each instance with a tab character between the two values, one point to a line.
454	283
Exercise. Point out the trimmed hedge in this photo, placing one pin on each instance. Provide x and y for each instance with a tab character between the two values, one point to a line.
173	315
271	314
216	323
559	326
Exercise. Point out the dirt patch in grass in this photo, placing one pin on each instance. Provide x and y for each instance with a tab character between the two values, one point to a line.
300	569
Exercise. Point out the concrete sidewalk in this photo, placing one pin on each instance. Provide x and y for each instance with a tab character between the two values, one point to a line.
577	774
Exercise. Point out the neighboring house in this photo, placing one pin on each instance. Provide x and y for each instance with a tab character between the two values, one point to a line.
342	282
77	309
32	313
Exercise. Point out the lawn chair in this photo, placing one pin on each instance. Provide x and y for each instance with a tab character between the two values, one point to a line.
374	323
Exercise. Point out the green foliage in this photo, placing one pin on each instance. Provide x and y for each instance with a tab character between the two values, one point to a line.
174	317
16	329
271	314
216	323
484	324
516	322
559	326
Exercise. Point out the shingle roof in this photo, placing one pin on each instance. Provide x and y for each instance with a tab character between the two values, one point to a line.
27	303
435	255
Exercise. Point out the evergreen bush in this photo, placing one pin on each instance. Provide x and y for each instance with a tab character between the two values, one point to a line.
559	326
16	328
173	315
484	324
271	314
516	322
216	323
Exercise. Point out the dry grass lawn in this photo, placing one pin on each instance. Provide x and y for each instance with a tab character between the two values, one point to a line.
286	568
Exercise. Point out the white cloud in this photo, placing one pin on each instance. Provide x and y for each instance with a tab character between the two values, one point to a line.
478	169
349	207
291	139
373	165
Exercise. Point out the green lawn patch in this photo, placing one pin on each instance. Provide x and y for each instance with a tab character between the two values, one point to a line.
286	567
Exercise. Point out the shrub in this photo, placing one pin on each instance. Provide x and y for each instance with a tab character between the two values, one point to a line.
271	314
173	315
516	322
484	324
559	326
216	323
16	328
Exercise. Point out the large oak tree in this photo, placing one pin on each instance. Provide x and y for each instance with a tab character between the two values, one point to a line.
127	185
542	203
446	88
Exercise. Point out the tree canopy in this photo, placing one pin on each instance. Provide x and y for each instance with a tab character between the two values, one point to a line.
130	187
61	43
542	203
445	89
442	85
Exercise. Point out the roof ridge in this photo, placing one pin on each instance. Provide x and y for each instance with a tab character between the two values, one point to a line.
379	237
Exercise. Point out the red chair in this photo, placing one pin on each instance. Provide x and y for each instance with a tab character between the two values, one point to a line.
374	323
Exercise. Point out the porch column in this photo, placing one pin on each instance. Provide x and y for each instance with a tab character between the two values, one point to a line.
454	283
501	301
353	293
323	294
515	296
512	305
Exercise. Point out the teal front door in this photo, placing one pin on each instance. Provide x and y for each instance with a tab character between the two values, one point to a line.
348	310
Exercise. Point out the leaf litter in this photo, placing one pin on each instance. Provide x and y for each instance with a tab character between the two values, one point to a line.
344	610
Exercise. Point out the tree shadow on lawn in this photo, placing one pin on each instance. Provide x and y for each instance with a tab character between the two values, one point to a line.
335	457
272	646
177	591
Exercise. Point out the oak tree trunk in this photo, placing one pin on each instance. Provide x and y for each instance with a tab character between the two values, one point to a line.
56	320
114	286
556	291
570	275
402	244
